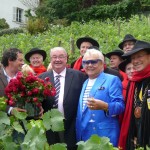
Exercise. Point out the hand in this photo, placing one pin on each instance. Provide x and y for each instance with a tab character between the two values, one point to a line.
17	109
95	104
41	111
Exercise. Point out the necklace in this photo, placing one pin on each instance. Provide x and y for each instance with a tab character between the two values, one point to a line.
138	106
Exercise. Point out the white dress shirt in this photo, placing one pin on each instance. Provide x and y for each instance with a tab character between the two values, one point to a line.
61	93
8	79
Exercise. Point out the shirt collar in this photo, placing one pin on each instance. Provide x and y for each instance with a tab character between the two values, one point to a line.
8	77
63	73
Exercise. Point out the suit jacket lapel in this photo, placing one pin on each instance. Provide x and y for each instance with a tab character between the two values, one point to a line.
68	81
97	85
3	78
51	76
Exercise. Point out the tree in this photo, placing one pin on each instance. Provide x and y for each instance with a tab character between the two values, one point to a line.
31	4
3	24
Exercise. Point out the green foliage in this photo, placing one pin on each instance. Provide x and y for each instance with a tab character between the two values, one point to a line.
58	146
11	31
34	139
96	143
108	33
3	24
123	9
4	118
2	104
52	9
36	25
34	131
85	10
55	122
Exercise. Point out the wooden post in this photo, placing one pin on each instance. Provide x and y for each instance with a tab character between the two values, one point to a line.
59	43
72	46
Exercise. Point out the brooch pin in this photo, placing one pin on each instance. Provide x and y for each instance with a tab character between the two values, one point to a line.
101	88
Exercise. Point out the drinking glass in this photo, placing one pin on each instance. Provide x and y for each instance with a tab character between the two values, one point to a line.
90	97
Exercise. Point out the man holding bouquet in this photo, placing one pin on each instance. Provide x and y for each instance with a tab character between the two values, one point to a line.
12	61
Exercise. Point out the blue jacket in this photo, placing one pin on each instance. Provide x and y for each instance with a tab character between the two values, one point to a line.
109	89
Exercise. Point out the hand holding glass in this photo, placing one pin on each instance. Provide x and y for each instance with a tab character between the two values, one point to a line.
89	99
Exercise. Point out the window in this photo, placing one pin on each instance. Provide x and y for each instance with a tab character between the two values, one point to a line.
17	14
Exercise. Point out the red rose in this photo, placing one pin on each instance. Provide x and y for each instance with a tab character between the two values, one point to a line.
29	93
35	99
53	92
47	92
47	79
35	91
11	103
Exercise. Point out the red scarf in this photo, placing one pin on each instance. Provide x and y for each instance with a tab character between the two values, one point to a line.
38	70
137	76
124	82
78	63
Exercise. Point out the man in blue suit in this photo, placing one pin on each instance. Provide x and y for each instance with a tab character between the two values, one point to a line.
100	102
71	82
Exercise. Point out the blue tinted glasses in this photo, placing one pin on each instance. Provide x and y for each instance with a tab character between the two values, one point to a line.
92	62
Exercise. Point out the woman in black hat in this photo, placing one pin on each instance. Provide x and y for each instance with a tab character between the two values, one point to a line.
36	58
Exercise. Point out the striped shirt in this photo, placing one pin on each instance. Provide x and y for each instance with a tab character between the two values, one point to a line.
87	92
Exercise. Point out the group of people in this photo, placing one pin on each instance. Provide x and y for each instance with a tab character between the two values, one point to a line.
111	102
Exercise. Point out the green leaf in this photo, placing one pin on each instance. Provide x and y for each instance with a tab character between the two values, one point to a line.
53	120
8	143
10	146
18	127
95	143
2	104
58	146
4	118
37	123
20	115
35	139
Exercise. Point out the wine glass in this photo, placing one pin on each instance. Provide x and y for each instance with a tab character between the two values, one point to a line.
89	98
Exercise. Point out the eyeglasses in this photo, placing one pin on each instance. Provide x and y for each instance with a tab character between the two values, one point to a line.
92	62
59	57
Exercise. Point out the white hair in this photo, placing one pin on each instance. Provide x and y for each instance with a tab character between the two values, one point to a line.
95	52
57	49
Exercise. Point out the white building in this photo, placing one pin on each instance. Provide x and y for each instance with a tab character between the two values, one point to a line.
13	11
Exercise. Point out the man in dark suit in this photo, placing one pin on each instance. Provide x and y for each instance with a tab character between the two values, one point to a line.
70	87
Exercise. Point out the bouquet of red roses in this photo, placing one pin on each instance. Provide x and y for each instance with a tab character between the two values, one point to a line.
27	88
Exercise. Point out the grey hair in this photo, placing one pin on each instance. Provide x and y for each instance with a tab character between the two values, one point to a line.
57	49
96	52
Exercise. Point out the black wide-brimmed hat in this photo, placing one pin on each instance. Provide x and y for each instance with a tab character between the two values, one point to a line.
114	52
123	64
35	51
139	45
87	39
128	37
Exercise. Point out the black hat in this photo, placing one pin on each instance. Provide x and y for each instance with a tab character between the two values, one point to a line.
35	51
128	37
139	45
123	64
115	52
87	39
